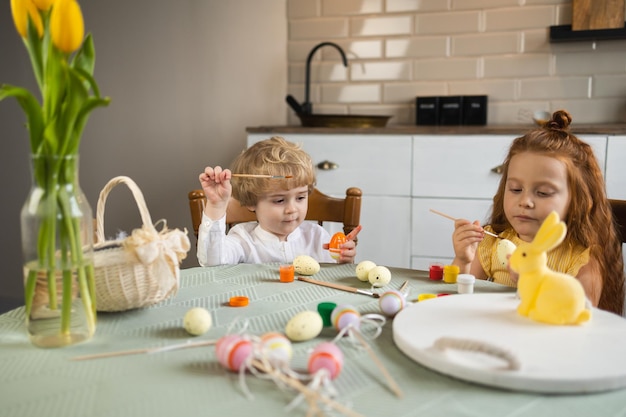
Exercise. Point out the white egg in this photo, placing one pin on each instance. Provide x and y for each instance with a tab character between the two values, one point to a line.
197	321
379	276
363	269
305	265
504	248
304	326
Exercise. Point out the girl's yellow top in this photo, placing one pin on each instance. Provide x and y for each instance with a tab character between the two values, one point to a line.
567	257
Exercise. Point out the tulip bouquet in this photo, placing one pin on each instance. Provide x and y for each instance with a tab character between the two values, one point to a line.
63	60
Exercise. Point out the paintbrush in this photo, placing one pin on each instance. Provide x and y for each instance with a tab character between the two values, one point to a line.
339	287
453	219
263	176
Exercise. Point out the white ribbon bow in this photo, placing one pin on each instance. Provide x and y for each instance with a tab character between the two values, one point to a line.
161	252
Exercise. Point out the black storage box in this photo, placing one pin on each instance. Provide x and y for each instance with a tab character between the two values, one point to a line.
450	110
475	110
427	111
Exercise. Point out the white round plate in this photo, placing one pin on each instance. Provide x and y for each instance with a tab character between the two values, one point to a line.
553	359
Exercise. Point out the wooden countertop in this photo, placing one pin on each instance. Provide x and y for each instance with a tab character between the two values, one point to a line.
578	129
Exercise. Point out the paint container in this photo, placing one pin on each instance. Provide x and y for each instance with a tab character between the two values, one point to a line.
465	283
435	272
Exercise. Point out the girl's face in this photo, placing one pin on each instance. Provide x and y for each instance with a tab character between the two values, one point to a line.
536	185
280	212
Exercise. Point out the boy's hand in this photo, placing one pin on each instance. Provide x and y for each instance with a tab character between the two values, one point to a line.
217	188
348	249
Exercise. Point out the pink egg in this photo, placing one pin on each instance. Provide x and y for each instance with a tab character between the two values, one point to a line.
277	348
326	356
391	302
345	315
233	351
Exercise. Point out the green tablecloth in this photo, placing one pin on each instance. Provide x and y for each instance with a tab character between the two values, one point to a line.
190	382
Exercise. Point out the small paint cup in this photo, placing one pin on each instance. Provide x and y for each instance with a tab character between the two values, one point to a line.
435	272
286	273
326	309
465	283
450	272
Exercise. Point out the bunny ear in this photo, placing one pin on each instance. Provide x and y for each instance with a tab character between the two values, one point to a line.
550	234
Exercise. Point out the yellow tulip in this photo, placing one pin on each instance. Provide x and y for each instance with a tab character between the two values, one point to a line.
21	9
67	28
43	4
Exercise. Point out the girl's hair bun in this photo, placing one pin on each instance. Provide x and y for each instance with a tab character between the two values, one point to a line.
560	120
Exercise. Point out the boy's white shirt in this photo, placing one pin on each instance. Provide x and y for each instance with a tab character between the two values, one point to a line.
249	243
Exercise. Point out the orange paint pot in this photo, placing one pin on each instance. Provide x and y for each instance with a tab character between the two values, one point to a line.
286	273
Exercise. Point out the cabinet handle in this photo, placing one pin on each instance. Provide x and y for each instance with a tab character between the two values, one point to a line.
498	170
327	165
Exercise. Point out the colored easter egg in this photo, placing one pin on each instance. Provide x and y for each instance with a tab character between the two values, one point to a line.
345	315
326	356
379	276
363	269
233	351
337	240
197	321
306	265
504	248
391	302
304	326
277	348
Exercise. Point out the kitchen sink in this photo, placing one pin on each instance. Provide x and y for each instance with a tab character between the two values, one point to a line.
342	120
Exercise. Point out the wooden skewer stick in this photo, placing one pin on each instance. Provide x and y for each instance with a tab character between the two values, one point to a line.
306	391
447	216
339	287
392	383
145	350
262	176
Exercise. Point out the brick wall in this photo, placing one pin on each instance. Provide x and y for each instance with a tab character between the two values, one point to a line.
400	49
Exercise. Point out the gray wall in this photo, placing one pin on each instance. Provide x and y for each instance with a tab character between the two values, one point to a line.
186	77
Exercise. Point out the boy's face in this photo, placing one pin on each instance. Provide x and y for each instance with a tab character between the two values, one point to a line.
281	211
536	185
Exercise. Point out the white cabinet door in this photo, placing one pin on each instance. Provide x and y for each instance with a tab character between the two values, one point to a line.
457	166
599	145
460	166
616	168
432	234
386	235
377	164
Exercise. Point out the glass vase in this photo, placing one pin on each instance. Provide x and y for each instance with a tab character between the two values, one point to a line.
57	245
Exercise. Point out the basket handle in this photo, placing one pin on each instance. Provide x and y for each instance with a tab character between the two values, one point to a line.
137	194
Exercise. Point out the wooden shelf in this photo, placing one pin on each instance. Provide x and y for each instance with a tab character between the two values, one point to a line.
564	33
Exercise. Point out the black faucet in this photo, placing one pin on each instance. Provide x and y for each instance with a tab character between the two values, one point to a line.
307	106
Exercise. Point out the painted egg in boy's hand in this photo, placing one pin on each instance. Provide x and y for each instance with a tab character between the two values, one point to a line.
336	241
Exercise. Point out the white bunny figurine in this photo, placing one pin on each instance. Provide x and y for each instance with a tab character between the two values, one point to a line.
546	295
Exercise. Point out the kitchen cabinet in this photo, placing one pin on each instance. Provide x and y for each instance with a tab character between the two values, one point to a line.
380	165
452	174
403	176
616	168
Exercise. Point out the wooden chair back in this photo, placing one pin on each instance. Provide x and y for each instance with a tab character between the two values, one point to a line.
322	208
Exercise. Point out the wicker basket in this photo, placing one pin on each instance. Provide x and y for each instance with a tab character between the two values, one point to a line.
141	269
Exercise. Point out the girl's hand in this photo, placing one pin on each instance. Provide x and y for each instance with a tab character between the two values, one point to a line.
465	239
217	189
512	274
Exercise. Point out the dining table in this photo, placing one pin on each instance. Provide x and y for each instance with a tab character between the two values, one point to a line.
155	368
